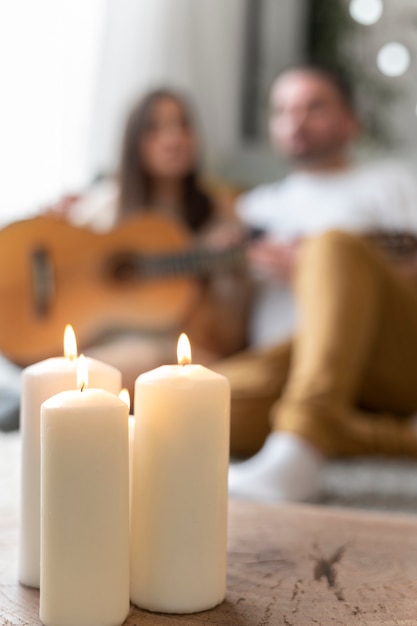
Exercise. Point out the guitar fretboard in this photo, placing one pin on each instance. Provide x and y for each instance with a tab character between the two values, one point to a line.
196	262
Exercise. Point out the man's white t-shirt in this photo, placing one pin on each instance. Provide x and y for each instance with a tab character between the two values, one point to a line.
380	196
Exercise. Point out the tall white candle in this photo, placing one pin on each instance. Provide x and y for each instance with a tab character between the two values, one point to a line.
39	382
84	509
179	497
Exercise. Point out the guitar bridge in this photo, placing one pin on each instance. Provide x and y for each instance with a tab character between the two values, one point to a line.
43	283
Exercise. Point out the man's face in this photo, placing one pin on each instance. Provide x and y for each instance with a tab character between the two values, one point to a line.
309	121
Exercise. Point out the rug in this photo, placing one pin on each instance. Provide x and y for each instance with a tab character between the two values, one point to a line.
369	484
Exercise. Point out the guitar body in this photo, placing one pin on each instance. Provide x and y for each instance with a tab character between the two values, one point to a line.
53	274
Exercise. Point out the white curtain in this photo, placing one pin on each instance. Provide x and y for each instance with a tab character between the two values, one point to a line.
49	54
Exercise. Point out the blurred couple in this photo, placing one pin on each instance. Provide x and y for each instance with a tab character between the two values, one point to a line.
331	329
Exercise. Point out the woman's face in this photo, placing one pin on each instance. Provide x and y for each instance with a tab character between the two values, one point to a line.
168	147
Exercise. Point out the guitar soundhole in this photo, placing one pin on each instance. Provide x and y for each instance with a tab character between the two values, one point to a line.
43	284
123	268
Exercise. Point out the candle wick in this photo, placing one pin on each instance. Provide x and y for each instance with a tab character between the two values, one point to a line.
82	387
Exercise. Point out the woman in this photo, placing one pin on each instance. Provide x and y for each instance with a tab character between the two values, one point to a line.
159	175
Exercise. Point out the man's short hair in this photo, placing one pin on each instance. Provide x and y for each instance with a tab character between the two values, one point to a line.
332	76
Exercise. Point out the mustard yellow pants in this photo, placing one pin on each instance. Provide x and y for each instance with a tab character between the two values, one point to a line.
348	381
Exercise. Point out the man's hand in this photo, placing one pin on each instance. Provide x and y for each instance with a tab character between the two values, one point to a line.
408	269
273	261
223	235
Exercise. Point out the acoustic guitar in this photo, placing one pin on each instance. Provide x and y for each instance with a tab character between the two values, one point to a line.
142	275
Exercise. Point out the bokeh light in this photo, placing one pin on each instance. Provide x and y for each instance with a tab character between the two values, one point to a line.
366	12
393	59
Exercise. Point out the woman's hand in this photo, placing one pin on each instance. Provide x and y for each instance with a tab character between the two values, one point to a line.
63	207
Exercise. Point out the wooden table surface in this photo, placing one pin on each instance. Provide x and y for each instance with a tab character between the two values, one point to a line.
291	564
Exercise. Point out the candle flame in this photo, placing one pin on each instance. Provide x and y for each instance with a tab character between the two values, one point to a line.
82	372
183	350
125	397
70	343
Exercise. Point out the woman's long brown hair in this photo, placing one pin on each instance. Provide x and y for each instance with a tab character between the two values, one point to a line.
135	181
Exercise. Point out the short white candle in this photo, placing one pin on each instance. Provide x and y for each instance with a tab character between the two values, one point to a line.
179	497
84	509
39	382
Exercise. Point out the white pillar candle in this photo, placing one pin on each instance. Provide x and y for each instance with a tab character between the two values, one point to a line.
84	509
179	497
39	382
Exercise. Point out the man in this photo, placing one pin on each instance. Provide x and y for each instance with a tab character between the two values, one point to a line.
346	384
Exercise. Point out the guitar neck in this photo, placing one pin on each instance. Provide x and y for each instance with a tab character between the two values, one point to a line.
196	262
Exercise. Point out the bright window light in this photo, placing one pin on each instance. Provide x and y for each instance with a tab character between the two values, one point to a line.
366	12
393	59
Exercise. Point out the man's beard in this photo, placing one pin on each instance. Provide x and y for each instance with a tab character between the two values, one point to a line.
313	157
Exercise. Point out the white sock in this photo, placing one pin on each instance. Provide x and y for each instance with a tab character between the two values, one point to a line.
287	468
